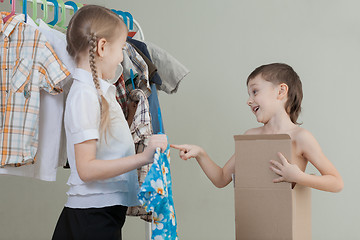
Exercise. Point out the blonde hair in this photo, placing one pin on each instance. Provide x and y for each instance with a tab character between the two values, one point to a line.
89	24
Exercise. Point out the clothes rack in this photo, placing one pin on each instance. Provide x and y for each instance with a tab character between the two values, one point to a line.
137	25
141	37
50	4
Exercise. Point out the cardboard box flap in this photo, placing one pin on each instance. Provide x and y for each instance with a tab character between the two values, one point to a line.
253	154
263	214
262	137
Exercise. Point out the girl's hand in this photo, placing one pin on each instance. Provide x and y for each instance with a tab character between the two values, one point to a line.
155	141
287	172
188	151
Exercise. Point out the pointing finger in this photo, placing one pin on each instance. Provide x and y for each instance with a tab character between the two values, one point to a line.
179	147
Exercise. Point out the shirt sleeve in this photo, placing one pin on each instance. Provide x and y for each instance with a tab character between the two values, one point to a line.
82	116
51	67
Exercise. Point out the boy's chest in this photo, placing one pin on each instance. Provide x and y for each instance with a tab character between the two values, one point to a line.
297	156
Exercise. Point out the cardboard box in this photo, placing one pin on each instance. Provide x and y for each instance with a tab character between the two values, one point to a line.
263	209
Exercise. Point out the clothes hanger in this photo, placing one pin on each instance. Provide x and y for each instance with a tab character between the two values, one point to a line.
34	7
132	78
13	5
63	15
44	6
56	12
125	16
139	30
73	5
25	9
79	5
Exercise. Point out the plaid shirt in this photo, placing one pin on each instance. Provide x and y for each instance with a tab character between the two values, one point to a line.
141	130
142	81
28	64
121	96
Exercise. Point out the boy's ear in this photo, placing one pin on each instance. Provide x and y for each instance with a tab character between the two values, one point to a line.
283	91
101	47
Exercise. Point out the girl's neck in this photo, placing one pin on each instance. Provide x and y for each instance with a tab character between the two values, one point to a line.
279	124
84	64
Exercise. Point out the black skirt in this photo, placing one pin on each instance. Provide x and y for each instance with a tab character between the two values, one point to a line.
90	223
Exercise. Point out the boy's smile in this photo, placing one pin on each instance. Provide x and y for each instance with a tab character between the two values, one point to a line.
262	96
255	109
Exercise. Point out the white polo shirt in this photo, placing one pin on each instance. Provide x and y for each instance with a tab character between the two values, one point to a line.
82	120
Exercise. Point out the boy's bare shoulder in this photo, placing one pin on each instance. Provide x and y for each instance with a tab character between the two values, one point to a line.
301	135
253	131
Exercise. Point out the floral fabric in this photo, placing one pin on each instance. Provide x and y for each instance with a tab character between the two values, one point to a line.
156	196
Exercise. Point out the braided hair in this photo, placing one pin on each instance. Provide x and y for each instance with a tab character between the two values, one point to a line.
104	105
89	24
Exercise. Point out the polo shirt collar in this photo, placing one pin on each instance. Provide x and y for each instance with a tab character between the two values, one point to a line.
87	78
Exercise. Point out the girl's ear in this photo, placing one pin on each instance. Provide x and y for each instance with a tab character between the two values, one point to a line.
101	47
283	91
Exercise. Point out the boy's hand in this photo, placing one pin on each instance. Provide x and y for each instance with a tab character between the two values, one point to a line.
188	151
287	172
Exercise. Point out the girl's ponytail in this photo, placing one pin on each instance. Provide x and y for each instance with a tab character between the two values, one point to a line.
104	105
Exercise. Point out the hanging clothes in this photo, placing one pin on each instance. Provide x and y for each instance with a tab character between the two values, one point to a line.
121	96
127	66
141	131
29	64
134	62
144	112
169	68
140	67
154	110
153	98
137	64
141	48
156	196
52	147
57	39
141	126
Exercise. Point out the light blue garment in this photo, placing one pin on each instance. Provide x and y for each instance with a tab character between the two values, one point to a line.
156	196
154	107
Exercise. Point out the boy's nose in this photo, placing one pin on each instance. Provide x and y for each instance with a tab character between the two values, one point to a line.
249	101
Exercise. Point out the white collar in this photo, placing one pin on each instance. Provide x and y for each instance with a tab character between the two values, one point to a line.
86	77
30	21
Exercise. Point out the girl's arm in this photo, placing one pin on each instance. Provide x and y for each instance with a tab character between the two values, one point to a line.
330	179
220	177
91	169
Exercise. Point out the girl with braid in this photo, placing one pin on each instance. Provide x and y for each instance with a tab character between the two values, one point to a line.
100	149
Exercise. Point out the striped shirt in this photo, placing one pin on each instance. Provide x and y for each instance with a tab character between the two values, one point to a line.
28	64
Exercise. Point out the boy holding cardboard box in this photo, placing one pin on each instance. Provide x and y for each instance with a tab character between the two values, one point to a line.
275	95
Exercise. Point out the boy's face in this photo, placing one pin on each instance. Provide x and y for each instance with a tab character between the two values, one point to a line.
263	98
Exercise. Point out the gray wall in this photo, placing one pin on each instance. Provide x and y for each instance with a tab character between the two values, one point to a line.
221	42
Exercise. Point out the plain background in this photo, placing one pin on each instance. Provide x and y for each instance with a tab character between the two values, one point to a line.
221	42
